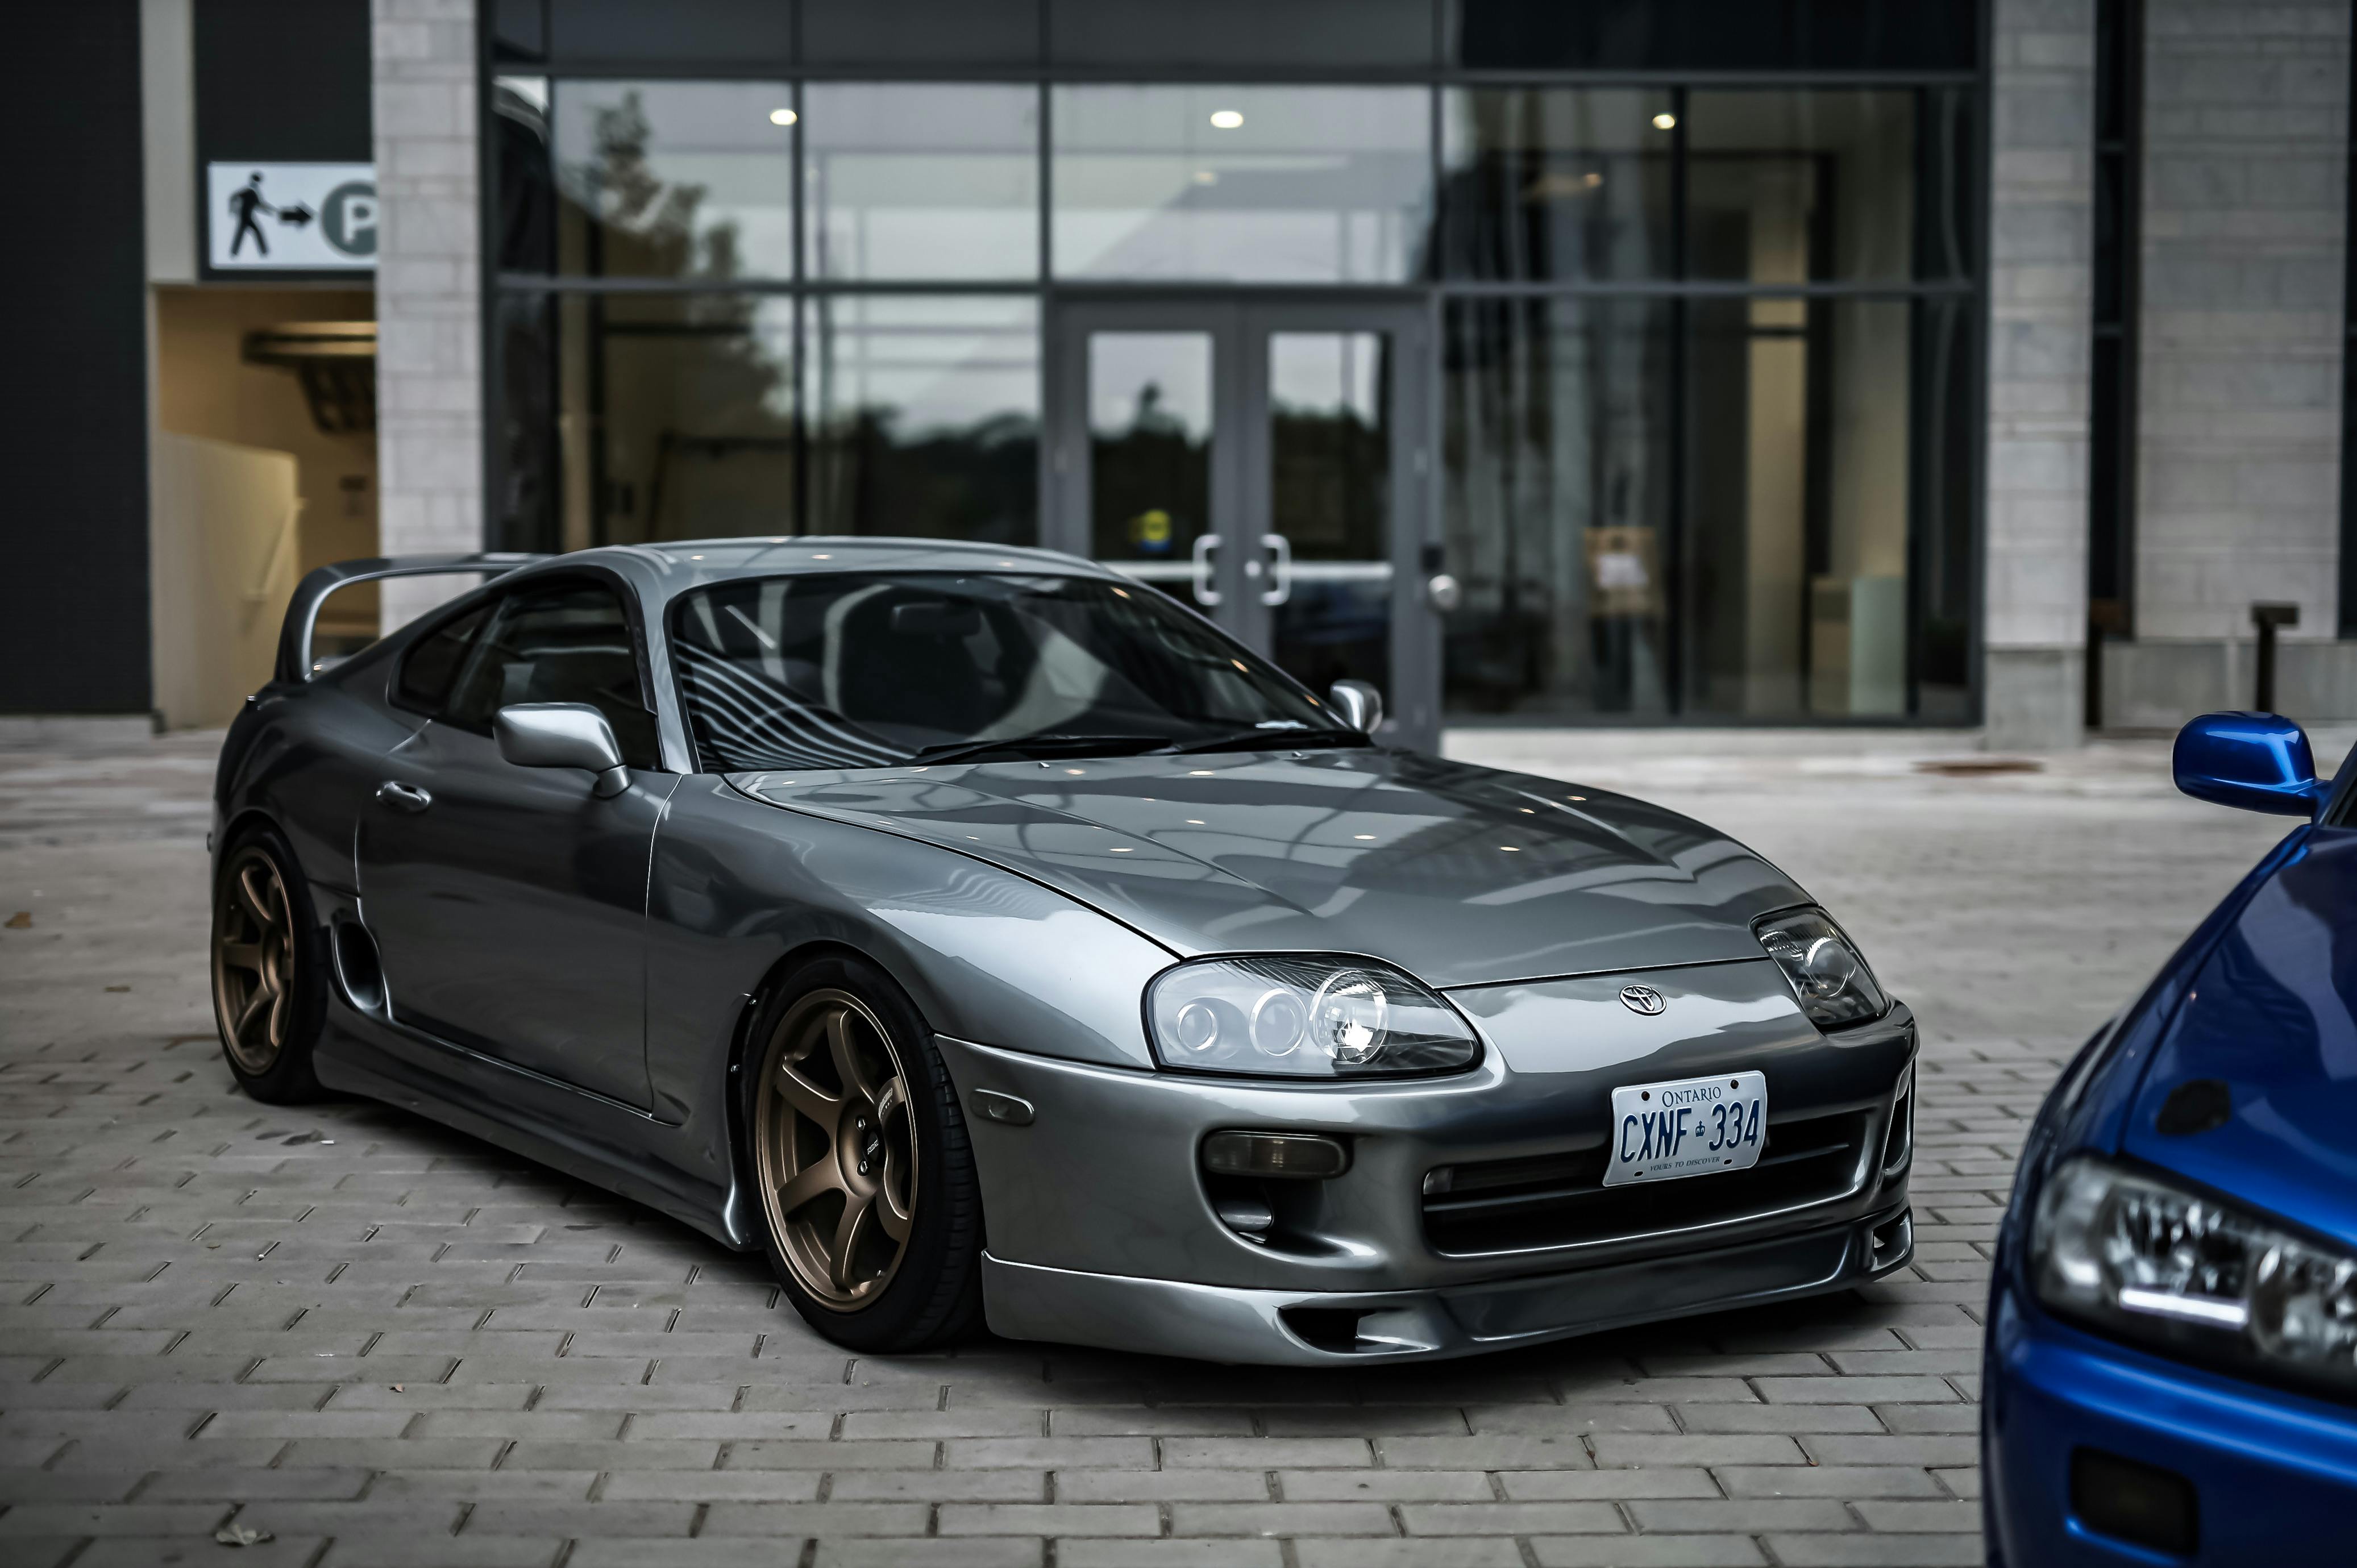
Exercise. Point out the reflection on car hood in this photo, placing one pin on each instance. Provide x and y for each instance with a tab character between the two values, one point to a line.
1459	875
2270	1016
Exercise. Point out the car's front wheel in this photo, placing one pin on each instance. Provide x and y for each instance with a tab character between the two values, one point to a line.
871	1211
269	970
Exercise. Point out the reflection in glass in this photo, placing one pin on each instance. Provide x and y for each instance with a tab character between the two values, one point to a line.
1791	186
1796	593
924	416
679	417
525	453
926	179
1555	183
1557	494
1260	184
1331	501
1149	451
687	179
526	240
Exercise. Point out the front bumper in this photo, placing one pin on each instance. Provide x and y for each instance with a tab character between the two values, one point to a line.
1306	1329
1470	1214
2272	1472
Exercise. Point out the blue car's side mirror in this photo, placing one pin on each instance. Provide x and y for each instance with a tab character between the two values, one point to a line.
2260	762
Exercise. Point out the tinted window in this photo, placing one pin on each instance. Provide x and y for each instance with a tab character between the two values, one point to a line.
860	670
564	643
426	672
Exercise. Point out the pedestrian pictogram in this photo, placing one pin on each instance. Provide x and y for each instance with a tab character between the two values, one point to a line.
291	217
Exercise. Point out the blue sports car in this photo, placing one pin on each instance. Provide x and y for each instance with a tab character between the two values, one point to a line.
2171	1361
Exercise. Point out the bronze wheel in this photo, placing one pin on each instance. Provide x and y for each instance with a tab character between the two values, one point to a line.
836	1148
254	961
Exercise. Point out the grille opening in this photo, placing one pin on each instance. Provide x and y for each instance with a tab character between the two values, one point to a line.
1899	1147
1334	1328
1552	1200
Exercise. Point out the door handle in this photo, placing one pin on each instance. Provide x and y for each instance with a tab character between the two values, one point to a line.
1280	570
407	796
1204	593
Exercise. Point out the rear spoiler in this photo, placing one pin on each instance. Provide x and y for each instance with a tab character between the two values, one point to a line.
303	610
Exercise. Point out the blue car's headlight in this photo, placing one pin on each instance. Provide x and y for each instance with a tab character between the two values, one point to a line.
2131	1253
1303	1017
1827	972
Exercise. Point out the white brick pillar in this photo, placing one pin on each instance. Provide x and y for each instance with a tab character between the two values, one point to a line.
2245	179
2041	240
429	305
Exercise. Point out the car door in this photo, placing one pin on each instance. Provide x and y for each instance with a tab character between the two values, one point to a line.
509	903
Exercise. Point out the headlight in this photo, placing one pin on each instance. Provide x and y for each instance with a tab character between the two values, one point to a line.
2136	1256
1303	1017
1824	970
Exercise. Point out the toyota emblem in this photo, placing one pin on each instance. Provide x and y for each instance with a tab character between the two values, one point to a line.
1641	999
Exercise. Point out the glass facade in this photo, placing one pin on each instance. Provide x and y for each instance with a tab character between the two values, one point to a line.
1690	419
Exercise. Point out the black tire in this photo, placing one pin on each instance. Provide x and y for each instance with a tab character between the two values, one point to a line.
930	1291
269	966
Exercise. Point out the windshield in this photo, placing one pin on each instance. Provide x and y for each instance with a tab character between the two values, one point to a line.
870	670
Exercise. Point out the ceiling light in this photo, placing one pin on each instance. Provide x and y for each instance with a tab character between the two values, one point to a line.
1227	119
1207	177
1665	122
782	116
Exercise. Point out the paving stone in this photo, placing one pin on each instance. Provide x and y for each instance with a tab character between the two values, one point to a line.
1280	1518
1645	1551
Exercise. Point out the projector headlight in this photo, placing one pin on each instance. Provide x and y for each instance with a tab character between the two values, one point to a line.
1303	1017
2130	1254
1826	973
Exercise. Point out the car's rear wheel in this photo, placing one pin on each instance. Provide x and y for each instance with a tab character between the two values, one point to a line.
871	1211
269	972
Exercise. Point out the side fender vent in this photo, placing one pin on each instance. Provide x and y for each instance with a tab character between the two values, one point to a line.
360	974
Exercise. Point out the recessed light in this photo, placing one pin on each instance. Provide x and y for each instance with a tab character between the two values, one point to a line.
1194	822
1207	177
1362	835
782	117
1227	119
1665	122
1511	848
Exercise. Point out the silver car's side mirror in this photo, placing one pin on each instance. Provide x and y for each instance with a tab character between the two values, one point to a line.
562	734
1357	703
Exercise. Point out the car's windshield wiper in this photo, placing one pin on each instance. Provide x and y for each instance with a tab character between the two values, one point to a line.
1052	741
1273	740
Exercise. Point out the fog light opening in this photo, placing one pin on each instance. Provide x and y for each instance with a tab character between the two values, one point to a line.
1330	1329
1891	1240
2141	1504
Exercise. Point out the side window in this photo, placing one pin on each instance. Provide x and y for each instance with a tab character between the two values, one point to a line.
432	663
569	642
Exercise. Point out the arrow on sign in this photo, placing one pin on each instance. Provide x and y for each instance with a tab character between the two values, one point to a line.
296	215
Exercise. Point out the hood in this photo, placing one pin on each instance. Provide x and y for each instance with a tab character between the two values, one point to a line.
1458	875
2273	1015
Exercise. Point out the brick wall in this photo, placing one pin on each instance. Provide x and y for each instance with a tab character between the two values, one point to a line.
429	297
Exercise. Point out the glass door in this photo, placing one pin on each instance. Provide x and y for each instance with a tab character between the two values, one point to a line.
1266	465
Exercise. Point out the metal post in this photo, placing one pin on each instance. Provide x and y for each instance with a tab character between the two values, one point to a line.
2267	618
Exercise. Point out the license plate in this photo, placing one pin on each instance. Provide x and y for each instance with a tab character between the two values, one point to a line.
1691	1126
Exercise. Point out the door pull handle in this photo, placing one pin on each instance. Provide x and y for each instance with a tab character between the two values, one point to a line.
407	796
1205	594
1280	568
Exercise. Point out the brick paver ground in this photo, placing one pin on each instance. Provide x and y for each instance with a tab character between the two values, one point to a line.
382	1343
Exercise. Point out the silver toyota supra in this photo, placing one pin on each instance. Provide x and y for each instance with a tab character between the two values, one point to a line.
986	937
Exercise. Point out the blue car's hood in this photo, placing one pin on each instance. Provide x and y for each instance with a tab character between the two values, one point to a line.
1459	875
2273	1014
